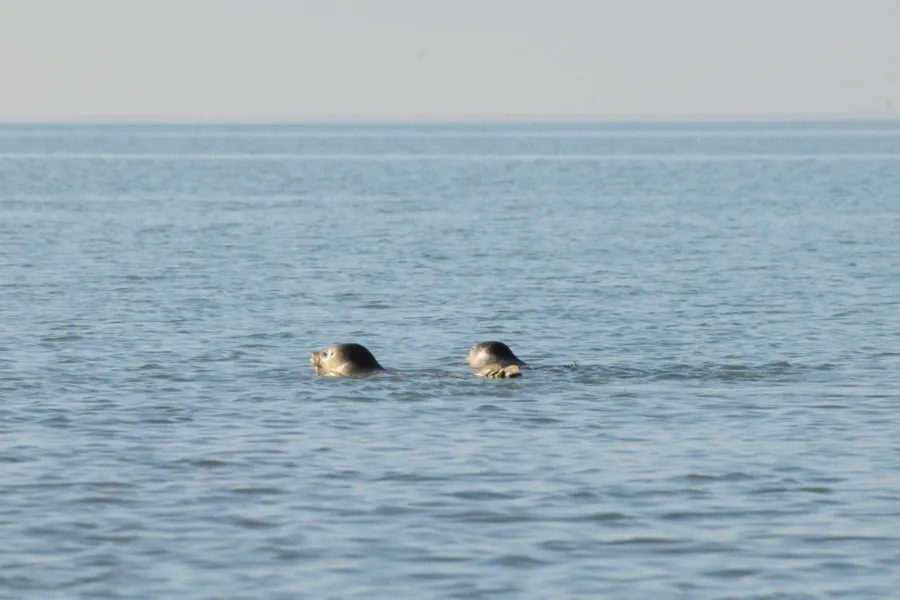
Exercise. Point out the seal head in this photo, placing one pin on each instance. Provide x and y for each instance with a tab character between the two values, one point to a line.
494	360
345	360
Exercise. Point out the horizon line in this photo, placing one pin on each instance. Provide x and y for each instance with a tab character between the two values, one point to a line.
139	119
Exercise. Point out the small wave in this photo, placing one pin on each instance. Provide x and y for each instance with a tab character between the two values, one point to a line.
63	337
257	490
482	495
410	477
642	541
702	477
517	561
484	516
490	408
708	371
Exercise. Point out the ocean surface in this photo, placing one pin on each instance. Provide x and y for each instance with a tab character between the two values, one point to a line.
711	312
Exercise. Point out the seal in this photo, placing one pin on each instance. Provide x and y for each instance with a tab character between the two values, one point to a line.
345	360
494	360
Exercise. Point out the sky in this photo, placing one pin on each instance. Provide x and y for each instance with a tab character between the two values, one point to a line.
447	59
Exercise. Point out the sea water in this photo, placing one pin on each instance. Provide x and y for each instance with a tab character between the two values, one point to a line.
710	311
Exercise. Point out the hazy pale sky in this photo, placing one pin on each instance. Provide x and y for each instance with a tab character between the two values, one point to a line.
433	59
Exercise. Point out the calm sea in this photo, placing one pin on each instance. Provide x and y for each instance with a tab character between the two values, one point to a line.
712	311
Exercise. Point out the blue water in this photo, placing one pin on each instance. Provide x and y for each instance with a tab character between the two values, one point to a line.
711	311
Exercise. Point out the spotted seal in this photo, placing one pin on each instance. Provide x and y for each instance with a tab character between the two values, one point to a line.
345	360
494	360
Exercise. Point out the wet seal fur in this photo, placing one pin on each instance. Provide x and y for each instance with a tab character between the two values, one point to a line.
345	360
494	360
